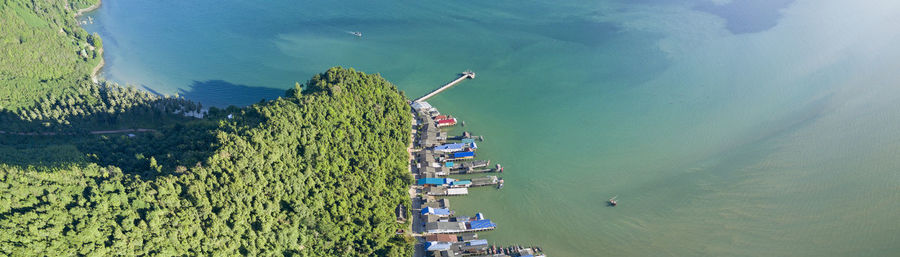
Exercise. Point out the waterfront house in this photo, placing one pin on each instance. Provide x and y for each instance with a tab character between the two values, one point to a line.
436	212
446	122
460	156
468	237
441	238
422	107
434	181
445	227
461	183
433	218
477	225
432	172
457	191
444	191
449	148
455	147
479	246
437	246
432	202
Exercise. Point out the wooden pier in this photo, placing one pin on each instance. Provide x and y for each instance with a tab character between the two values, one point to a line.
486	181
466	135
465	75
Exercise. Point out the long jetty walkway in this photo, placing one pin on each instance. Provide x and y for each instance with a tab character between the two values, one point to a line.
465	75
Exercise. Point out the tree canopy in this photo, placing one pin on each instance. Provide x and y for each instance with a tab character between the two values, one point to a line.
315	173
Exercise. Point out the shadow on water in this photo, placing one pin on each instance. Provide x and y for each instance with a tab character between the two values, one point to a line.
220	93
170	144
145	87
747	16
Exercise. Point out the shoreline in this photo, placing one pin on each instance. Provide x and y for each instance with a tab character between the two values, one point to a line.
96	70
88	9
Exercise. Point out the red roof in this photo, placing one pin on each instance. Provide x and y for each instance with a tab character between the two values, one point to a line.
441	238
440	117
446	121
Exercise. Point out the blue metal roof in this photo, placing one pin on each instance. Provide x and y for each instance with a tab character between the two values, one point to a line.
449	164
437	246
460	182
433	181
463	154
452	146
435	211
479	224
478	242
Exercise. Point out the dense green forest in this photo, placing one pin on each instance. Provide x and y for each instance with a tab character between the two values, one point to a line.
317	172
43	50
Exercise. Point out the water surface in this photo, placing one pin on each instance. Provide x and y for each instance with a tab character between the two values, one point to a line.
726	128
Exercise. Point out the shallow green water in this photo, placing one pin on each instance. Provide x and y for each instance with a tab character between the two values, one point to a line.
741	129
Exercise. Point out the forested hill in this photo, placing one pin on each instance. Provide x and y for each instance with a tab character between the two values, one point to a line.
43	50
315	173
45	83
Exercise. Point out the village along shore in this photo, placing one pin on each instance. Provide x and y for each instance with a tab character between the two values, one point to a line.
434	156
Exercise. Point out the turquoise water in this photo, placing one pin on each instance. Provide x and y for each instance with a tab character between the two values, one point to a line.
726	128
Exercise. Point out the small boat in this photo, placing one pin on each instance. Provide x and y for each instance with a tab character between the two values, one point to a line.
612	201
500	186
356	33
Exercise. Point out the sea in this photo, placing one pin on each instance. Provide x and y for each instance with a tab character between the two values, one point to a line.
723	127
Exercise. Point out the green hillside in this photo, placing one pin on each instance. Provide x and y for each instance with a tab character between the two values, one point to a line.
315	173
43	51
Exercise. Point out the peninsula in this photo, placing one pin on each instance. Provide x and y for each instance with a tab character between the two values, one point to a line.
93	168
